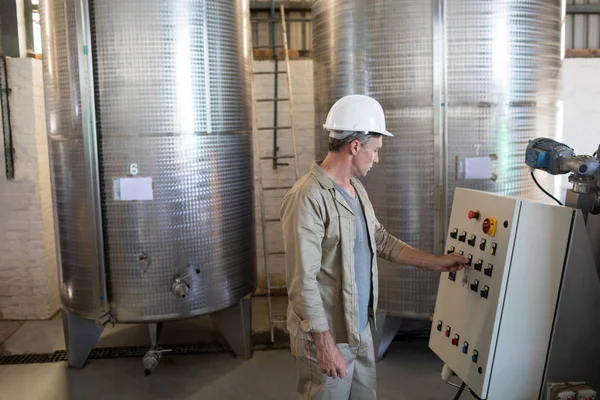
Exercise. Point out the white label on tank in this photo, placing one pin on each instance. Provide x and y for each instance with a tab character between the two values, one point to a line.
129	189
479	168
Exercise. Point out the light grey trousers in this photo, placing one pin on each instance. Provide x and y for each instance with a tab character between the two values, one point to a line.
360	382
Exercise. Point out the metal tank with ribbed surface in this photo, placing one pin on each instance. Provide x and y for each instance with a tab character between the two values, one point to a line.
148	110
457	79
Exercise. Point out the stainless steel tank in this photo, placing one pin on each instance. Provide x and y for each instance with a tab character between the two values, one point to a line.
456	79
139	91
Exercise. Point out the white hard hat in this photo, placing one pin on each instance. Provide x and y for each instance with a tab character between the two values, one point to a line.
356	113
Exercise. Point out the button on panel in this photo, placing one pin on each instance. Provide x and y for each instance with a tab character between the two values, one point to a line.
462	237
488	270
454	233
455	340
465	282
482	245
451	250
452	276
470	257
475	356
471	241
493	249
485	292
475	286
474	215
478	265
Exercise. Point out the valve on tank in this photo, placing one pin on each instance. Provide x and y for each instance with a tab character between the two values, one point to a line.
181	286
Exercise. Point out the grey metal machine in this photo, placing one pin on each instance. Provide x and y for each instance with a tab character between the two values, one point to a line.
574	352
150	146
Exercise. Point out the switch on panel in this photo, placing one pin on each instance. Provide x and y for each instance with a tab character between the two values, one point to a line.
439	326
485	292
462	237
454	233
493	249
488	270
451	250
482	245
455	340
465	348
471	241
475	286
489	226
462	253
475	356
452	276
478	265
470	260
447	333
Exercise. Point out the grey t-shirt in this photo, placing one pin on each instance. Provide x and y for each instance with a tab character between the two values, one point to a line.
362	258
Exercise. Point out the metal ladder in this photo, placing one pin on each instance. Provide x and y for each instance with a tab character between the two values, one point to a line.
275	157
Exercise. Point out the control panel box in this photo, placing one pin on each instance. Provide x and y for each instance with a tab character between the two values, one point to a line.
493	320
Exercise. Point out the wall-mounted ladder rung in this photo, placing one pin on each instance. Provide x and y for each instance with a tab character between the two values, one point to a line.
266	100
270	72
270	128
277	188
279	46
277	158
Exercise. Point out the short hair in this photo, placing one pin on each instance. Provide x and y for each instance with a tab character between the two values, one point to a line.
336	145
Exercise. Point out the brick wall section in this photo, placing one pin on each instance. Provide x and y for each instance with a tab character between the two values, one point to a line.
28	267
303	108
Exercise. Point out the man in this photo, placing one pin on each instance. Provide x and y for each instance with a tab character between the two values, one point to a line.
332	239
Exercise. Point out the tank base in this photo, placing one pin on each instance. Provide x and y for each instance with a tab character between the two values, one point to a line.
387	327
81	335
235	324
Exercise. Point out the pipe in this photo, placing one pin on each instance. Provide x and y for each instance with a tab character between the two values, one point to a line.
9	151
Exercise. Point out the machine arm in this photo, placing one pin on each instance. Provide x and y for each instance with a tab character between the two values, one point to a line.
556	159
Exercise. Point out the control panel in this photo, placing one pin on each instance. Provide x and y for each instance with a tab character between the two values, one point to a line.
516	250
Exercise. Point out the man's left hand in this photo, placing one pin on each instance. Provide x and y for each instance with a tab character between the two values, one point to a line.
450	263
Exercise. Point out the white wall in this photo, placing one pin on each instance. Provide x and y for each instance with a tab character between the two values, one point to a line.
303	108
581	100
28	268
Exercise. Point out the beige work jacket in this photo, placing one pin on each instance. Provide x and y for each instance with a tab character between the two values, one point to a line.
318	234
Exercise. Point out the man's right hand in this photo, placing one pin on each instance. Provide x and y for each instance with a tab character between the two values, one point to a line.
331	359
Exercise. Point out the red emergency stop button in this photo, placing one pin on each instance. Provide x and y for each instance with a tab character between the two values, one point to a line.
474	215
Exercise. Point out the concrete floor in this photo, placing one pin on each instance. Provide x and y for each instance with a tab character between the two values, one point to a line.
408	371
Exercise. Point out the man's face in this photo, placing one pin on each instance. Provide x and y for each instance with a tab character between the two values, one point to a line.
365	155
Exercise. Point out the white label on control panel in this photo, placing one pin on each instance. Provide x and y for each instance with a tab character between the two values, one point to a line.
130	189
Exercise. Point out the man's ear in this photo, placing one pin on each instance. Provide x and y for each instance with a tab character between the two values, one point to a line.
354	145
